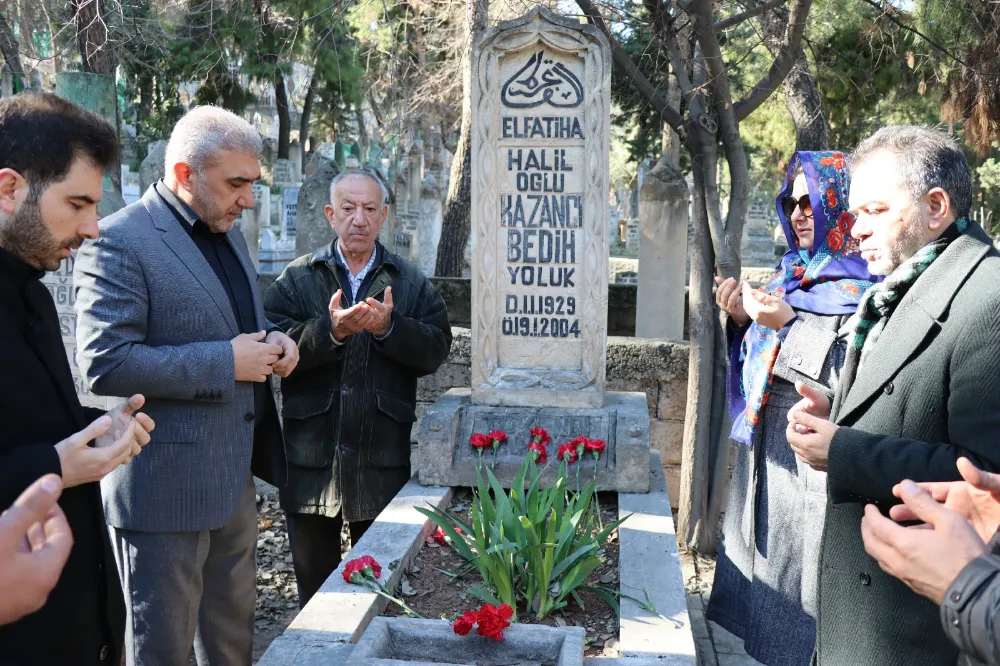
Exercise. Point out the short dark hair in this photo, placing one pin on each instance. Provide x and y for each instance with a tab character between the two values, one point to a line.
42	134
927	158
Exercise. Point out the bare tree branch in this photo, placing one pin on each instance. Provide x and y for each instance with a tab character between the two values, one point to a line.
656	97
748	14
782	64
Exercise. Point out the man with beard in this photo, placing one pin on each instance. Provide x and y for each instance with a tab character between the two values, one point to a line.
52	159
168	304
920	387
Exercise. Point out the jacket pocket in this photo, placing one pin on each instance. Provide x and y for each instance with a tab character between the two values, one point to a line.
390	444
308	431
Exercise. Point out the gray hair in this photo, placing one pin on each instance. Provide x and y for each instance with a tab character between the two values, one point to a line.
350	173
926	158
205	131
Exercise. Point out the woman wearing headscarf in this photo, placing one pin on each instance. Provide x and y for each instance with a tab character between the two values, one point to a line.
793	330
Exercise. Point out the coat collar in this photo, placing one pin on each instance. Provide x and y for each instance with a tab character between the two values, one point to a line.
918	314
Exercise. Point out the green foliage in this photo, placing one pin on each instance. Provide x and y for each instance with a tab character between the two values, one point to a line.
534	547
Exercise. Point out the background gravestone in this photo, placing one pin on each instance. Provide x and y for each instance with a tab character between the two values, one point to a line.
153	166
312	229
540	131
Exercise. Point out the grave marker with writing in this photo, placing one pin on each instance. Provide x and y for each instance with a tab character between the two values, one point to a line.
284	173
289	211
541	109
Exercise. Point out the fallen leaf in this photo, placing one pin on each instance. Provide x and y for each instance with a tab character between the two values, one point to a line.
609	577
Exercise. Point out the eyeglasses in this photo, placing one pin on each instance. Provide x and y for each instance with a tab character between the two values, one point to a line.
789	204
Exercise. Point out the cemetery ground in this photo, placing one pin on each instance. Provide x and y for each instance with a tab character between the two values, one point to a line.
277	598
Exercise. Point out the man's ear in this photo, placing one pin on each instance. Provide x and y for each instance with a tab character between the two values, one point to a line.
13	191
183	174
328	211
939	209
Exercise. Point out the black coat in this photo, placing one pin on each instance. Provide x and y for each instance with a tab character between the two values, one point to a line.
84	616
347	410
928	393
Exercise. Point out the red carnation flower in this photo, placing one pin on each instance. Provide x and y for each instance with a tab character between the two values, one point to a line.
442	537
567	452
540	436
492	621
480	441
595	446
463	623
542	455
362	567
497	437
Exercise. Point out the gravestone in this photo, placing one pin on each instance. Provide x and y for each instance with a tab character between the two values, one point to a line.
289	210
153	165
632	234
312	229
429	225
401	243
663	218
757	246
284	173
60	286
131	185
540	132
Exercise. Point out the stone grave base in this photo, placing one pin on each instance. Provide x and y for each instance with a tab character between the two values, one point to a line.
648	561
410	642
445	458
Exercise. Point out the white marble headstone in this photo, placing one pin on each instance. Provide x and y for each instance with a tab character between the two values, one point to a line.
540	119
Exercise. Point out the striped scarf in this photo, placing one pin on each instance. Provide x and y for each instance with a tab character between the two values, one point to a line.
881	300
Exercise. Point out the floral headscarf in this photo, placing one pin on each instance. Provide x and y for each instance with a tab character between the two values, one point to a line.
829	280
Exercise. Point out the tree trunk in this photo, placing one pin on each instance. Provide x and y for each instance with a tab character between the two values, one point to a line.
307	106
284	118
362	132
52	31
11	53
92	35
456	225
802	98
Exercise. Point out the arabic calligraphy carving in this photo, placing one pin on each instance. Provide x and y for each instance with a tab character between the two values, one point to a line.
528	88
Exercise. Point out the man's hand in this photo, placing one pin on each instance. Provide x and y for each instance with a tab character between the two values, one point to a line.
81	463
289	353
928	557
347	321
810	437
35	541
254	358
768	311
380	315
729	297
121	418
977	499
813	401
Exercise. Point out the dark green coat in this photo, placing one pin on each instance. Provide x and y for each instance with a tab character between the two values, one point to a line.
347	411
928	393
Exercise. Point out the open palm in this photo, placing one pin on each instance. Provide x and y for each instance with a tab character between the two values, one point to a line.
977	499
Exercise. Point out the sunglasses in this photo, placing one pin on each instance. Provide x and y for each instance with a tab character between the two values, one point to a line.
789	204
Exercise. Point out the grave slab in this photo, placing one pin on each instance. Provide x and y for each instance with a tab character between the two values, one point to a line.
649	562
444	456
412	642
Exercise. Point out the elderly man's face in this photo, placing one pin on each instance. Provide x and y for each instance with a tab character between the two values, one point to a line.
891	226
357	214
223	188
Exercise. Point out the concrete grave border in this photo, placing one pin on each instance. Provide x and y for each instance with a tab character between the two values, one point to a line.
324	632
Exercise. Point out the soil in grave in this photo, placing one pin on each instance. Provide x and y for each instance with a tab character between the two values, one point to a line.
435	595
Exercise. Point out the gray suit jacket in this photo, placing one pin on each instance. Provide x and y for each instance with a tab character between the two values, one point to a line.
153	318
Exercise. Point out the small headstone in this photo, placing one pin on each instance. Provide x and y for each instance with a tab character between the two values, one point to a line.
284	173
153	166
401	242
131	185
289	210
429	225
632	234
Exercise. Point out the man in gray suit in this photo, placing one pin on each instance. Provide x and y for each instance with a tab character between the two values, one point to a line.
168	306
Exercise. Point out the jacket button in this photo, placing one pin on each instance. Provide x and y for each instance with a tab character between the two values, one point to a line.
249	417
956	596
866	579
889	388
104	653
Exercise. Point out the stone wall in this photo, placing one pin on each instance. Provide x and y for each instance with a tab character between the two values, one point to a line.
656	368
